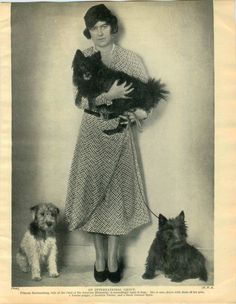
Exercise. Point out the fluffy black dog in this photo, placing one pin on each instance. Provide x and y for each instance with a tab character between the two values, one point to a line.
91	78
171	253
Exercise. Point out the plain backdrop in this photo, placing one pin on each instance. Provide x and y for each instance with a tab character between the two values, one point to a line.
175	41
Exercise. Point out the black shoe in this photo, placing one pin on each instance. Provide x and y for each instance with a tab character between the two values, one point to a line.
114	277
100	276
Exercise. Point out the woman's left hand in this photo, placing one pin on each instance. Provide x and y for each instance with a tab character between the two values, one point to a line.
139	114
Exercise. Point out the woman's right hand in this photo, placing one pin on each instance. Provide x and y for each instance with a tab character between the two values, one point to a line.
119	91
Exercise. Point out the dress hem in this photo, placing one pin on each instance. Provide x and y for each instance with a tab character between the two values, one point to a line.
106	233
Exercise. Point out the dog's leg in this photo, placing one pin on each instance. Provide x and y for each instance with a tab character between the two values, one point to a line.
35	266
31	250
52	262
150	266
177	279
22	261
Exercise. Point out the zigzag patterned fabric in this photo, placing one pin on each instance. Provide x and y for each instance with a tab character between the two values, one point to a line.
105	191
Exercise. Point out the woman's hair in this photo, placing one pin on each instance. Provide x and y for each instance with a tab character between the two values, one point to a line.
99	13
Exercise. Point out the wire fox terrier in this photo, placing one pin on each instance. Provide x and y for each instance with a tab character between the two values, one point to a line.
39	245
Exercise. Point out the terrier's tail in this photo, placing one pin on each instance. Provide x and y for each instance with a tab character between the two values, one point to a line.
203	274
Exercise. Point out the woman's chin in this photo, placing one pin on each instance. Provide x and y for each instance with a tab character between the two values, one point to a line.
102	43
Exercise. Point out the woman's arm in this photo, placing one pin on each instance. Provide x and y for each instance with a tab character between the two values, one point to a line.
106	97
121	91
116	91
137	68
83	103
139	71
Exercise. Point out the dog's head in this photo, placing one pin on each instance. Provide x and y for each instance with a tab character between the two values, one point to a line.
85	68
173	231
45	216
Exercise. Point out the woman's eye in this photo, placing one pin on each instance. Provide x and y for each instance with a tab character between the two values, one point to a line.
42	213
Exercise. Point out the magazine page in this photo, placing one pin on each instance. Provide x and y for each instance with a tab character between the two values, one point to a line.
117	152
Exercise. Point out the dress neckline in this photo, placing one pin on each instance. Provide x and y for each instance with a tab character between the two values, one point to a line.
111	54
112	50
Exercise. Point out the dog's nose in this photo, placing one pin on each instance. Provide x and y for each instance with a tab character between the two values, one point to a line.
49	224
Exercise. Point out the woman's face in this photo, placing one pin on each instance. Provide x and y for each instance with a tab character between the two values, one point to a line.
101	34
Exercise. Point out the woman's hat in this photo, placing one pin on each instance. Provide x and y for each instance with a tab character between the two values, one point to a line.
98	13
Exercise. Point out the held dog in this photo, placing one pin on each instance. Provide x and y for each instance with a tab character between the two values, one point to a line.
38	245
171	253
91	78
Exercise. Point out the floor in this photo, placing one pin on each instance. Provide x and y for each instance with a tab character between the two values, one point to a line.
83	276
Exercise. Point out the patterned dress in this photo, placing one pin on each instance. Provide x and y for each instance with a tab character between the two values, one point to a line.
105	191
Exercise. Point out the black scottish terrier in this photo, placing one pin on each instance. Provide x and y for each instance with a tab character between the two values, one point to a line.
91	78
171	253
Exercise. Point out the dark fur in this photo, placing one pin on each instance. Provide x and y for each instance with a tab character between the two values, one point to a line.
91	78
39	233
44	220
171	253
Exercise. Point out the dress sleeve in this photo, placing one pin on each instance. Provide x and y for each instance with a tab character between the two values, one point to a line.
99	100
82	102
138	69
102	99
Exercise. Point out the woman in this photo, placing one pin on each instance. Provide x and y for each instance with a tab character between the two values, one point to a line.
105	193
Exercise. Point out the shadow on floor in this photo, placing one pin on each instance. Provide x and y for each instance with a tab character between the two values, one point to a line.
83	276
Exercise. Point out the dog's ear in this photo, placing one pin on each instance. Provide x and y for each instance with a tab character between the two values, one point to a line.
162	220
33	210
77	58
57	211
96	56
181	216
79	53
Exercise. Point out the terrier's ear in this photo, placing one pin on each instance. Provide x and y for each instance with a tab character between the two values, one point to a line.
57	211
33	210
181	216
54	208
162	220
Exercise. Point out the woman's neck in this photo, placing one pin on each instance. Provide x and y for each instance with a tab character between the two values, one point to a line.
106	50
106	53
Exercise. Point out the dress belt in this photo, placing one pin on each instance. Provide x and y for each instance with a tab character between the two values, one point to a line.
105	116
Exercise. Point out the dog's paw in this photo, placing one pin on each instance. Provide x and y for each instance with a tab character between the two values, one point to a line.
37	278
148	276
25	269
54	275
177	279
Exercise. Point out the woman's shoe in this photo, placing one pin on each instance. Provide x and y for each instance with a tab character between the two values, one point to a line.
114	277
100	276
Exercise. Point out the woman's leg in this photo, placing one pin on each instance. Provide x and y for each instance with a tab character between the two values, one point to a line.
113	246
99	241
